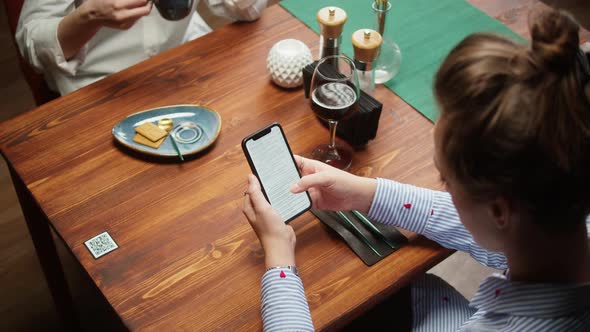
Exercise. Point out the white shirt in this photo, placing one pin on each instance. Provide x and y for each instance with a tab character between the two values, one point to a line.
110	50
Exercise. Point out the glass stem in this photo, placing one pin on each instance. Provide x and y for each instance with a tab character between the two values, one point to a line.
333	125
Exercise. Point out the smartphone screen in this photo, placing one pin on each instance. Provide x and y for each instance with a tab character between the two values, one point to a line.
271	160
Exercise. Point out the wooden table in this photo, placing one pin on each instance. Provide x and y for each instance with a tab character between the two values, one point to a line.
188	258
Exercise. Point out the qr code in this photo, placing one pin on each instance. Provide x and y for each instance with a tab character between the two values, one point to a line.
101	245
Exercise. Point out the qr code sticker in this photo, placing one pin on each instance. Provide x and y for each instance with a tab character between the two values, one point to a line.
101	245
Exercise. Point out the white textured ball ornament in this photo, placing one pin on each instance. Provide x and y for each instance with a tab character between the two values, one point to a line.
286	60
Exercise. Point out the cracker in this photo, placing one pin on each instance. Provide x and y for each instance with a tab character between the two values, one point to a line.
138	138
151	131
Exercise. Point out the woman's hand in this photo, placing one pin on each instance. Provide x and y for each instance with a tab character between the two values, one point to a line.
276	237
334	189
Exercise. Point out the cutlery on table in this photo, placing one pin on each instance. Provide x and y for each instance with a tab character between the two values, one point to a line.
373	228
358	232
167	125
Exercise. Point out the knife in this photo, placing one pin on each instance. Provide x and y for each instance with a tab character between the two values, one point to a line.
374	229
358	232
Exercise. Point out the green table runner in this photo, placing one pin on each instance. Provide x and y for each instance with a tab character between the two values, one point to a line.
425	30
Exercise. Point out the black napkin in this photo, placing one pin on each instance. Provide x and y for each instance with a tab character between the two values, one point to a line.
361	126
368	256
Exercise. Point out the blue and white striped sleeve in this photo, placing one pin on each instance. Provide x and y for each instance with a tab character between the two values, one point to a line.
284	306
430	213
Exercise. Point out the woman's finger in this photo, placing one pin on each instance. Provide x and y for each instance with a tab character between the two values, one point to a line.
248	209
314	195
298	161
307	166
309	181
256	197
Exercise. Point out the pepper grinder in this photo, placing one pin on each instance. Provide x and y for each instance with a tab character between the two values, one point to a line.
366	43
331	21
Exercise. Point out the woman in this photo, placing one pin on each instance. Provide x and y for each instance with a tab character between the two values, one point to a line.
512	145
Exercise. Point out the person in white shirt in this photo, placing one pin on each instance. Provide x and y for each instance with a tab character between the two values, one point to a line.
77	42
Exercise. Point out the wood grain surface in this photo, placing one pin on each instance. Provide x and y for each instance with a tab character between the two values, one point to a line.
187	258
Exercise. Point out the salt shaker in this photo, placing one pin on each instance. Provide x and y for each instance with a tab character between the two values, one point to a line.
366	43
331	21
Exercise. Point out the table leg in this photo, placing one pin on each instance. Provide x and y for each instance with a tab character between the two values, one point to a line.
38	226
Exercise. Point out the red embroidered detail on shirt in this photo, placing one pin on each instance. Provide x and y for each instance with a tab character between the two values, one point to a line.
282	274
446	299
498	291
432	212
407	205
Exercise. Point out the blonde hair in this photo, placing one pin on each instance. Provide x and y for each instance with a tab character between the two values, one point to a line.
515	119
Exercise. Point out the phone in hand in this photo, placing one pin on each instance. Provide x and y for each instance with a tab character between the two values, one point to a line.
271	160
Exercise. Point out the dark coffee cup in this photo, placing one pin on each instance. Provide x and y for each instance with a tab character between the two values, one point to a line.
174	10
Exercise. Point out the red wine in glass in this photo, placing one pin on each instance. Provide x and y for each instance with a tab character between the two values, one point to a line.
334	101
334	97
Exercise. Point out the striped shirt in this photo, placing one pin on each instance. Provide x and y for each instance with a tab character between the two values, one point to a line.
284	306
498	305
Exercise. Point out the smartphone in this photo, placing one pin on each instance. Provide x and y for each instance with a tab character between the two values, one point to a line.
270	158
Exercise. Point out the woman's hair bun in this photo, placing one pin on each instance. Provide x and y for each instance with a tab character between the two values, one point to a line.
555	40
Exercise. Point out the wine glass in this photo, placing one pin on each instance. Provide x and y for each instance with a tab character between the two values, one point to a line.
334	96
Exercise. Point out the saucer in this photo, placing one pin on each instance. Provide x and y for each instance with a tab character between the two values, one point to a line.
195	128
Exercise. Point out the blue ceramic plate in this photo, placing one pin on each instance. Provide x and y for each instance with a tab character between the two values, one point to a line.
195	128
